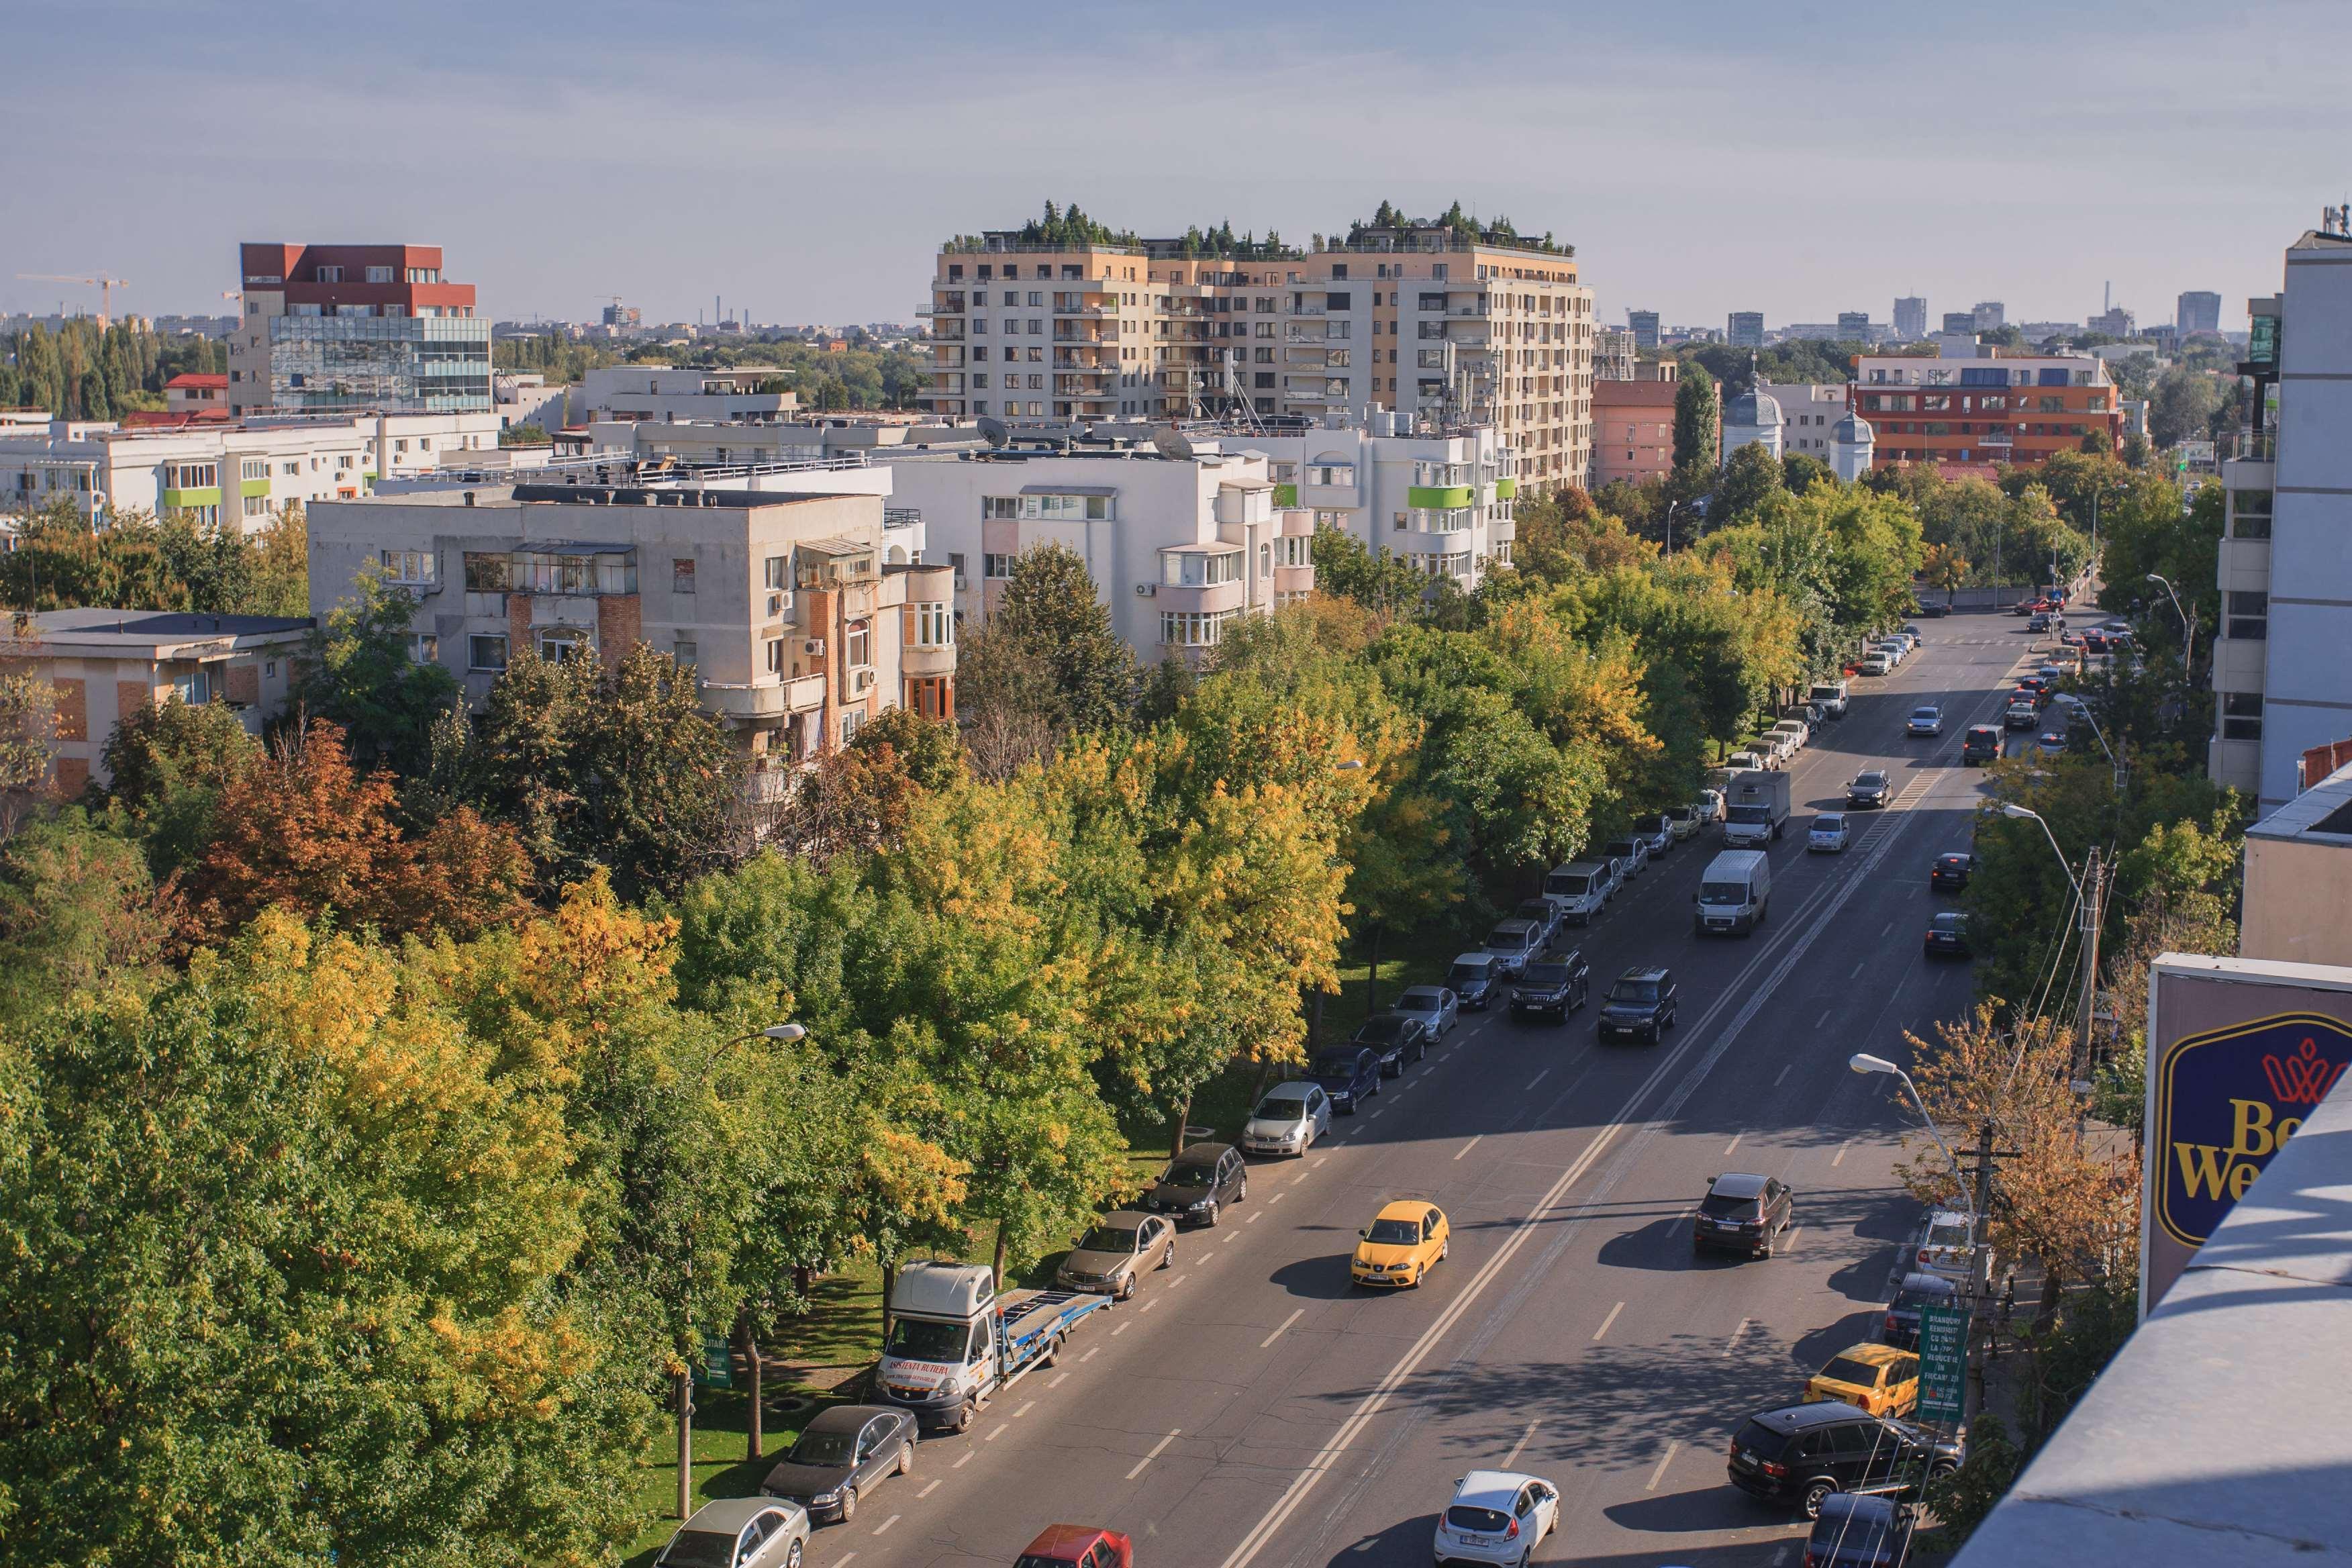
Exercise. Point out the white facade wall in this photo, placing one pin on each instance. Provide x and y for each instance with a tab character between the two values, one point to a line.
1809	417
1379	506
635	392
257	469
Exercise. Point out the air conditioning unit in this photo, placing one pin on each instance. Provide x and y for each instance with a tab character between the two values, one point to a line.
863	680
813	648
1146	590
779	603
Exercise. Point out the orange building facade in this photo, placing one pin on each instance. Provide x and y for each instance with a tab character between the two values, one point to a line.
1985	410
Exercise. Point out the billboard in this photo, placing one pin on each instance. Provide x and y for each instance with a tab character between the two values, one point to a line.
2238	1052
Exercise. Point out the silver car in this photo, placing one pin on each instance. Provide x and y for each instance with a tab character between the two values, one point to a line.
1434	1007
739	1532
1112	1257
1288	1120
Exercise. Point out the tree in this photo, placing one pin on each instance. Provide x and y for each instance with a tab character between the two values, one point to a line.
1944	567
94	404
1697	420
1749	477
77	908
2182	405
1377	580
1052	612
1800	471
27	723
361	676
170	761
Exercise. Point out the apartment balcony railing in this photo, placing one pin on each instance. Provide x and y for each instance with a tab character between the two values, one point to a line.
2250	445
943	309
1086	312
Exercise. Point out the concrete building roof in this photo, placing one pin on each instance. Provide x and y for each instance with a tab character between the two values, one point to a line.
145	633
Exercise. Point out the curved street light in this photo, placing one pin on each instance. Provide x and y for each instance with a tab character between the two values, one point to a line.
1863	1062
2188	627
2011	809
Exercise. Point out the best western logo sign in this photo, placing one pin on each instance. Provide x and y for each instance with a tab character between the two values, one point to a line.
2225	1101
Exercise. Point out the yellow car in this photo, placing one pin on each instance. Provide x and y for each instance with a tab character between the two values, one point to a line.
1404	1242
1879	1378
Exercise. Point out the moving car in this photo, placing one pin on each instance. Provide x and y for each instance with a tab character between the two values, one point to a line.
1876	663
1198	1184
1582	888
1110	1259
1287	1118
1394	1038
1861	1532
2022	713
1077	1546
1472	980
1554	986
2094	641
1980	745
1947	935
739	1532
1913	632
1405	1240
1733	892
1434	1007
2039	622
1878	1378
1900	1327
1951	871
842	1454
1936	609
1497	1516
1642	1004
2051	745
1630	853
1828	835
1870	789
1925	720
1512	943
1742	1213
1804	1453
1349	1074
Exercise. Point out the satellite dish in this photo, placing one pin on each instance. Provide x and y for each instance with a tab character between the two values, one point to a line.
994	432
1171	444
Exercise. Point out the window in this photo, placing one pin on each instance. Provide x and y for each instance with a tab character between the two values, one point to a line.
558	644
190	475
684	651
1198	569
2241	716
857	644
775	651
1294	550
681	574
934	625
955	561
329	275
2250	514
1189	628
254	469
486	653
379	274
407	566
424	648
851	719
2249	613
487	573
996	566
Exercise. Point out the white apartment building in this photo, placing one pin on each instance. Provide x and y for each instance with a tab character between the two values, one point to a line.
1416	319
1808	419
2282	680
1444	499
633	393
227	474
783	603
1178	548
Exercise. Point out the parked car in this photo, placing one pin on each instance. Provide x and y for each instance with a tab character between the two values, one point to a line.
1642	1004
1497	1516
1828	835
1743	1213
739	1532
1435	1007
1405	1240
1554	986
2051	745
1287	1118
1077	1546
1980	745
1876	663
1198	1184
1545	914
1861	1532
1869	787
1349	1074
1950	872
1878	1378
1805	1454
1707	805
1110	1259
1630	852
1655	835
1804	713
1512	943
1947	935
1582	888
1749	761
1913	632
1829	696
1472	980
841	1455
1945	1246
1925	720
1936	609
1900	1327
1394	1038
1797	730
1682	821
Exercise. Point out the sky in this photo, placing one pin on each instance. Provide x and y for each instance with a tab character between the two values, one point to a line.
804	161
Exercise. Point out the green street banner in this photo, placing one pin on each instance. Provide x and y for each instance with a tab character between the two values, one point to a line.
1943	1363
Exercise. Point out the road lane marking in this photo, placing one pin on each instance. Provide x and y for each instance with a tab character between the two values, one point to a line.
1607	1321
993	1434
1664	1460
1467	1147
1091	1355
1118	1331
1157	1449
1516	1449
1855	975
1269	1339
843	1560
1789	1242
1253	1219
1279	1197
1317	1162
1839	1158
1374	1116
1024	1410
884	1528
1781	1074
1059	1378
1178	1280
1728	1147
1147	1306
1824	1018
1780	1557
1733	1343
1539	1078
960	1464
928	1490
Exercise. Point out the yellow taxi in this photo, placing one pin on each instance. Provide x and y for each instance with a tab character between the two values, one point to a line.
1881	1379
1402	1243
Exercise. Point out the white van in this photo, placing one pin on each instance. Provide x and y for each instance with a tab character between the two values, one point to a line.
1580	888
1828	696
1733	892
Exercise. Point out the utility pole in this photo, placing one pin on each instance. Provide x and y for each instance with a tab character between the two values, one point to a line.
2092	886
1979	1269
686	1444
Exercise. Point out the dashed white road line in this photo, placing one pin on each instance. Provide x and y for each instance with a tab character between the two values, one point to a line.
993	1434
1091	1355
1606	1321
1518	1447
1788	1243
1733	1343
1781	1074
884	1528
1839	1158
1467	1147
1279	1197
1728	1147
930	1487
1157	1449
1539	1078
1059	1378
1147	1306
1118	1331
1664	1460
1269	1339
1024	1410
1253	1219
960	1464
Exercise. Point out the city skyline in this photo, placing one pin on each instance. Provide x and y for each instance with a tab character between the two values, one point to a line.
818	204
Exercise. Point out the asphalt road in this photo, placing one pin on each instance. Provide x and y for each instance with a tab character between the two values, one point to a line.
1250	1407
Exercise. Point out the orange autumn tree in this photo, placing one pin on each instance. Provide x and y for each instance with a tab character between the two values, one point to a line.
303	829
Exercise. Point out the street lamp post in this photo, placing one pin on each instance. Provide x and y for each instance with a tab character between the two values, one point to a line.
2088	895
1863	1062
2188	627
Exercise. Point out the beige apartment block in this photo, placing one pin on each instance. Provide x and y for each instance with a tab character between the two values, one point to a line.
1416	319
785	604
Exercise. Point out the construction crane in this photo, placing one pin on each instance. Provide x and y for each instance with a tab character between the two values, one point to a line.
104	285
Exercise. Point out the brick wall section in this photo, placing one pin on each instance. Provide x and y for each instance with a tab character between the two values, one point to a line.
620	620
518	625
71	776
130	696
72	709
245	683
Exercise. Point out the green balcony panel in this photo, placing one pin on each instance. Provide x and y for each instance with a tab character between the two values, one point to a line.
1505	488
1437	497
253	489
1285	495
208	495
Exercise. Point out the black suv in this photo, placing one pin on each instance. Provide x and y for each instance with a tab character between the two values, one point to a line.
1950	872
1802	1453
1393	1038
1980	745
1553	985
1641	1003
1348	1075
1742	1213
1199	1182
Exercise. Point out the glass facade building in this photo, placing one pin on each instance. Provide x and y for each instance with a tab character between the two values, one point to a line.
391	365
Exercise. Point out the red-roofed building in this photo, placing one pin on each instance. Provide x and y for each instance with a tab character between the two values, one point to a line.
194	392
354	328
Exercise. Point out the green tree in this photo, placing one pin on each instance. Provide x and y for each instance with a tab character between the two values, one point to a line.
1697	420
170	761
2182	405
361	676
92	401
76	910
1052	614
1749	477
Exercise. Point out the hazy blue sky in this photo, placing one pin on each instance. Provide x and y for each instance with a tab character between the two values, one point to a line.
804	160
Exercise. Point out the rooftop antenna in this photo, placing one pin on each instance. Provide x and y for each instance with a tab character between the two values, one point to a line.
1172	444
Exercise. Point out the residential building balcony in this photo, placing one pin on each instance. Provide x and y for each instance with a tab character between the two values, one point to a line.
770	699
1086	312
917	661
944	357
2238	663
1204	597
1294	579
